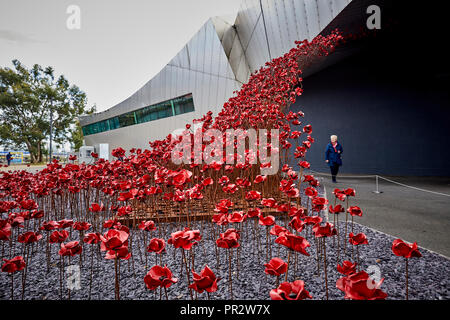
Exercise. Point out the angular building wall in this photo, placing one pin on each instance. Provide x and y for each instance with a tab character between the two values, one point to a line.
215	62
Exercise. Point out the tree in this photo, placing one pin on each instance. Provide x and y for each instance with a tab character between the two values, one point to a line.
29	99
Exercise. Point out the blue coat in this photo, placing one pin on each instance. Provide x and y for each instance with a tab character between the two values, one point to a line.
332	156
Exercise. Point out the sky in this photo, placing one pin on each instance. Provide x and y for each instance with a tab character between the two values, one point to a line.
118	47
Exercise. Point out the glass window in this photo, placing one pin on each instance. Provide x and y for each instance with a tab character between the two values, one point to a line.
157	111
126	119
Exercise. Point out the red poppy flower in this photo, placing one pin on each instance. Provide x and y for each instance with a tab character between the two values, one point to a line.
119	253
297	223
220	219
276	267
283	208
70	249
292	193
253	195
156	245
278	230
124	210
179	178
223	206
269	202
347	267
5	230
65	223
312	220
208	181
184	239
95	207
16	220
340	194
358	239
294	212
236	217
111	224
230	188
29	237
224	180
403	249
266	221
259	179
81	226
310	192
147	225
113	239
58	236
293	242
92	238
355	211
326	230
350	192
228	239
206	280
336	209
319	203
255	212
304	164
356	287
307	129
159	277
29	204
13	265
290	291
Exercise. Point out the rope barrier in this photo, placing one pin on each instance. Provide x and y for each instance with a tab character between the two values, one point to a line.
386	179
415	188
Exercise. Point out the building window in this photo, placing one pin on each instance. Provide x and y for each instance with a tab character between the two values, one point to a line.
169	108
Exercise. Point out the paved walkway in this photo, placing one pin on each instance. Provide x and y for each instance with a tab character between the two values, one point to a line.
409	214
31	168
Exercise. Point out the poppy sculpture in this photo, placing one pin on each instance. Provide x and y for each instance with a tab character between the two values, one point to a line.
406	250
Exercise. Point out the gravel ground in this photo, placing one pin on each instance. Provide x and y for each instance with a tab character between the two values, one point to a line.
428	276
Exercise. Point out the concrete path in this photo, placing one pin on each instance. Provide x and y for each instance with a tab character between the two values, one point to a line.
31	168
409	214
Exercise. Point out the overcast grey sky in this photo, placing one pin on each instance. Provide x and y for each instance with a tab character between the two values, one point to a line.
120	44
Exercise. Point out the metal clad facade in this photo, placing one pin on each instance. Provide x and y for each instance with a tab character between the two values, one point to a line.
215	62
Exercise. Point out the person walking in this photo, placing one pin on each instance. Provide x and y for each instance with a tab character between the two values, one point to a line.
8	158
333	156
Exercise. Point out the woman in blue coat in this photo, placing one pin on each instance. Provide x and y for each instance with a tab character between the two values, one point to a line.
333	156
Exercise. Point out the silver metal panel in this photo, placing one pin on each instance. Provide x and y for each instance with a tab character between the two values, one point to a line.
217	54
246	20
291	23
301	19
325	15
165	81
338	5
312	18
183	57
274	32
187	81
257	52
212	92
210	38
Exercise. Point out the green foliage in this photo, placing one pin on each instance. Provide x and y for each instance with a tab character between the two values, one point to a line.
27	97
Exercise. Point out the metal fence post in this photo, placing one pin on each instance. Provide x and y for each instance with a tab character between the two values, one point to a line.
376	186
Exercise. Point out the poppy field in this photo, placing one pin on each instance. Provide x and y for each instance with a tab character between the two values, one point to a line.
142	227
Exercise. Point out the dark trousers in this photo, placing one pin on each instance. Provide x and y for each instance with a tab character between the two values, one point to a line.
334	171
9	162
